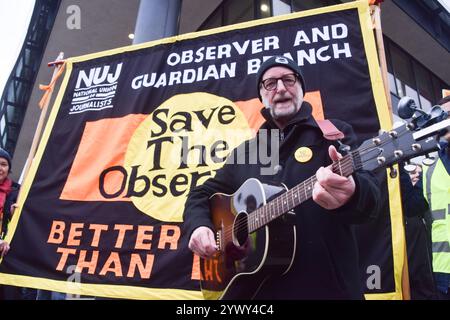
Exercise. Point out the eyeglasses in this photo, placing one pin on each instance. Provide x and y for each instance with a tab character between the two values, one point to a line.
272	83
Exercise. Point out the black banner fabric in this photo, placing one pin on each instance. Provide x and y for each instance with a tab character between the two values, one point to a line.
101	212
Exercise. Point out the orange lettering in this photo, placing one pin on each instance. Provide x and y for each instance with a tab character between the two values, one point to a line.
64	254
195	275
98	228
207	270
112	265
217	270
90	265
142	236
73	233
123	228
56	235
172	240
136	261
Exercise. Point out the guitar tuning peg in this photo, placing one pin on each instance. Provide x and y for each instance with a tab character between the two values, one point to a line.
393	172
429	160
393	134
376	141
343	148
398	153
381	160
409	167
416	147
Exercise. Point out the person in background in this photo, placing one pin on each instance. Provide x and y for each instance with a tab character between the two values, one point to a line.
416	174
418	241
9	191
436	189
4	248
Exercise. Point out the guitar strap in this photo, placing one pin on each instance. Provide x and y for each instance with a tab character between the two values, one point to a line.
330	132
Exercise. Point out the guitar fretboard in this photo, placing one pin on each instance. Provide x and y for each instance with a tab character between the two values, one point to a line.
297	195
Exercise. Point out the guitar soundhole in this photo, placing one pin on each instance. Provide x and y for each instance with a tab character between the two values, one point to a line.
240	229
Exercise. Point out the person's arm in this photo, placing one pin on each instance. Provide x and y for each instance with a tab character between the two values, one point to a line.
13	208
196	215
10	206
4	248
413	201
355	199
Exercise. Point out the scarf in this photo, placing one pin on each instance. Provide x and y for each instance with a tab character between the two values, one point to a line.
5	189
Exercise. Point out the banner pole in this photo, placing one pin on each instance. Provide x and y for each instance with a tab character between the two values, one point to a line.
44	103
376	20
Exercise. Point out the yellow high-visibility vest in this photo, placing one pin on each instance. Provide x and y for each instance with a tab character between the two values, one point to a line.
436	189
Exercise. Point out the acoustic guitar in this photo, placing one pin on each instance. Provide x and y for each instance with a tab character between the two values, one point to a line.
255	227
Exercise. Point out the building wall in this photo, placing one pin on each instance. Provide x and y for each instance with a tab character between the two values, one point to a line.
194	13
405	32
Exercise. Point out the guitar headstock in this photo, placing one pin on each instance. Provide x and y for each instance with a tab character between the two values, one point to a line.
397	145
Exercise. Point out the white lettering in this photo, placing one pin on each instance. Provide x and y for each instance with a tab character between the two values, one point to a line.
339	31
345	50
171	57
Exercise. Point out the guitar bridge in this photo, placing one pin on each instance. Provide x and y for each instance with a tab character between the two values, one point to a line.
219	240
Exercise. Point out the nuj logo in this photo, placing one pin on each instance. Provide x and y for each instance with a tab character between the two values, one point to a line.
95	89
98	76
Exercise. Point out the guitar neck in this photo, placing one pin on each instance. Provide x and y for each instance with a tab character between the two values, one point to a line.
297	195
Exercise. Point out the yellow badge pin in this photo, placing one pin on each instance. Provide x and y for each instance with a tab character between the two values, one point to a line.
303	154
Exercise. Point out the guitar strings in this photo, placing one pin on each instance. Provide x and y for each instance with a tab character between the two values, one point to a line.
261	212
264	213
345	163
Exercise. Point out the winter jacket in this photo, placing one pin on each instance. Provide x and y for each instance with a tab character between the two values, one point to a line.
326	262
11	198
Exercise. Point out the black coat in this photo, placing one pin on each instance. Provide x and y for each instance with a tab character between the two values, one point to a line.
418	239
326	263
11	198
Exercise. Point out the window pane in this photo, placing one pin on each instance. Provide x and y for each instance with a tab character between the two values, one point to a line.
280	7
394	101
391	80
400	88
213	21
438	85
264	9
425	103
387	55
402	66
299	5
2	124
410	92
424	85
238	11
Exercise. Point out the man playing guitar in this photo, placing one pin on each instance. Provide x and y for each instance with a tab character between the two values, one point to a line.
322	259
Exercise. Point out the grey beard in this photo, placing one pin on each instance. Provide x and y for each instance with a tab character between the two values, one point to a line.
272	113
